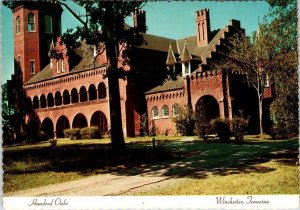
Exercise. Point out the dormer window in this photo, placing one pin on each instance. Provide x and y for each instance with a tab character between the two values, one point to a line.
186	68
48	24
30	22
51	63
18	25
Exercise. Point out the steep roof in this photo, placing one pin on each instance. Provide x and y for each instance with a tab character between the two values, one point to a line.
170	57
185	54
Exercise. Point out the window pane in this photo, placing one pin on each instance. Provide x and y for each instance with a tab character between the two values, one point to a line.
155	112
176	110
30	22
32	70
18	27
165	111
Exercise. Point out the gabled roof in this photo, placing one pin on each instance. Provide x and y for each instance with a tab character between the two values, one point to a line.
185	54
170	57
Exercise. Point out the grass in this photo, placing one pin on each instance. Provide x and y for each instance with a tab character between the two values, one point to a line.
255	166
279	180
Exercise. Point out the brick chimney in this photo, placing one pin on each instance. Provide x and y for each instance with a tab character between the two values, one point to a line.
202	27
139	20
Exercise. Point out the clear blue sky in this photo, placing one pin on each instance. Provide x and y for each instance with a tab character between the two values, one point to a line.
168	19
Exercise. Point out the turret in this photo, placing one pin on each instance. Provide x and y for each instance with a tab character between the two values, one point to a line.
139	20
36	24
202	27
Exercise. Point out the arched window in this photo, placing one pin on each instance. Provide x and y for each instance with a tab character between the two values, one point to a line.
155	112
165	111
74	96
101	91
43	101
58	101
83	94
92	92
66	97
48	24
35	102
18	25
30	22
175	110
50	100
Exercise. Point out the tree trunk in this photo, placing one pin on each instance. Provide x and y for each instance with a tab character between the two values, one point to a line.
117	137
261	132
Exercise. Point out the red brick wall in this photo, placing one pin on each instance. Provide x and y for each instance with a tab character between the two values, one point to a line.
164	124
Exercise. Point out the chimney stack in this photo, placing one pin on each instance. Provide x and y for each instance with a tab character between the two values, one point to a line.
202	27
139	20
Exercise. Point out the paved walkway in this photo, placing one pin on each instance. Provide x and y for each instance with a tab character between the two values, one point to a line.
98	185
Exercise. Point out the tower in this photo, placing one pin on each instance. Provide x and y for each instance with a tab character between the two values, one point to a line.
202	27
36	24
139	20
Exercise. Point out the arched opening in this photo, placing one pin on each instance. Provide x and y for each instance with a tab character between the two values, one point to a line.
79	121
175	110
43	101
74	96
33	129
83	94
66	97
50	100
61	125
165	111
101	91
207	108
48	128
36	102
92	92
99	120
58	101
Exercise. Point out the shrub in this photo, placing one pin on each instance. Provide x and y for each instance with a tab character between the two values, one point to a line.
89	132
185	122
283	131
222	128
153	128
202	129
239	126
73	133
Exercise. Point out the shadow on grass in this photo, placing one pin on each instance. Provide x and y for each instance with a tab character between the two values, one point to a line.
174	159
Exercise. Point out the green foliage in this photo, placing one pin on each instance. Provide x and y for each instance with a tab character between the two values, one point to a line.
283	130
153	128
239	126
89	132
222	128
202	129
185	122
73	133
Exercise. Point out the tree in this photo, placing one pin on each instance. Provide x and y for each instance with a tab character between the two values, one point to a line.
252	60
282	41
105	24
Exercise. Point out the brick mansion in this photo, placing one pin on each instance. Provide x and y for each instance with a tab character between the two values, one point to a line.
165	74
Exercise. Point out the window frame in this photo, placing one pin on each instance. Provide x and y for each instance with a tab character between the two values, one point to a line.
173	110
152	112
31	23
165	108
30	69
57	67
18	25
62	66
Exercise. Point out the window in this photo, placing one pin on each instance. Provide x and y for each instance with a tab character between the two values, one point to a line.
48	24
51	64
186	68
18	25
165	111
62	65
30	22
57	66
154	112
176	110
32	67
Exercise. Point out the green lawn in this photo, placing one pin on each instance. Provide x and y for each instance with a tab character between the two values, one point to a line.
253	167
